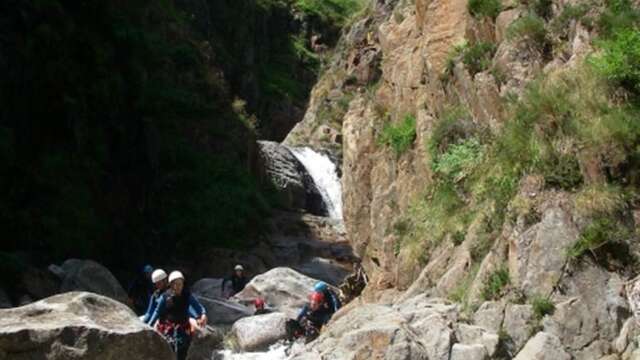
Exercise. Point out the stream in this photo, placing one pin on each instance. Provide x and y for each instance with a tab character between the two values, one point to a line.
325	176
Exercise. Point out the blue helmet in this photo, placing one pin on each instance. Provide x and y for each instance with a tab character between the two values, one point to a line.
320	286
147	269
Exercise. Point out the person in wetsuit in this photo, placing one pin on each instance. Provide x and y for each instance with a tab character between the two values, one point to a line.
174	308
159	279
238	280
311	318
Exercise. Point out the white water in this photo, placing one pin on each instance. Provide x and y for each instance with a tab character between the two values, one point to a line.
276	352
324	174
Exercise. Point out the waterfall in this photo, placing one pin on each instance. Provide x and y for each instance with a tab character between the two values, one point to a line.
324	174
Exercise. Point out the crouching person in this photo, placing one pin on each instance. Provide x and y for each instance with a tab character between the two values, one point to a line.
310	320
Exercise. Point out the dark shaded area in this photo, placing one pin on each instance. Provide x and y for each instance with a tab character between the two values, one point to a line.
118	141
265	50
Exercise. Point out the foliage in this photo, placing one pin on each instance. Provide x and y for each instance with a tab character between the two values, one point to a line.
399	137
618	15
531	29
484	8
454	124
570	13
495	284
562	171
619	59
478	57
334	11
542	306
600	200
542	8
459	159
600	232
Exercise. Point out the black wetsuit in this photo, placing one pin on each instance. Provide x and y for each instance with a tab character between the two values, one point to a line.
237	283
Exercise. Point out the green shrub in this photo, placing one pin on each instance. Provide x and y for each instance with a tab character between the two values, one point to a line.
597	234
619	60
484	8
334	11
530	29
496	283
400	136
459	159
454	125
562	171
569	13
542	8
542	306
477	58
618	15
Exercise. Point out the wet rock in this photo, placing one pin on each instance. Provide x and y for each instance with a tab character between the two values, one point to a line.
284	289
211	288
204	343
221	311
543	346
88	275
323	269
295	187
258	332
76	326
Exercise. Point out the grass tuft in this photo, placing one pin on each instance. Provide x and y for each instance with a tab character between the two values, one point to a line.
542	306
495	285
399	137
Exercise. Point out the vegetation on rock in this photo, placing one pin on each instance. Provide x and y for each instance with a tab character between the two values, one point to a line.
399	136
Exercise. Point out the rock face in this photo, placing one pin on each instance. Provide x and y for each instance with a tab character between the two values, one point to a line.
295	187
207	287
88	275
283	289
258	332
419	328
323	269
543	346
78	325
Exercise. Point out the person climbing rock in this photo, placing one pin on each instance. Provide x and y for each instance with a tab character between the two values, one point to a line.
238	281
332	300
140	290
159	279
174	308
260	309
311	318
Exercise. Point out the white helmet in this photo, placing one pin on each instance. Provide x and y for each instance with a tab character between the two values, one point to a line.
175	275
238	268
158	275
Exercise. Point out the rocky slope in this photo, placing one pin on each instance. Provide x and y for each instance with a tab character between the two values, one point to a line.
482	164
